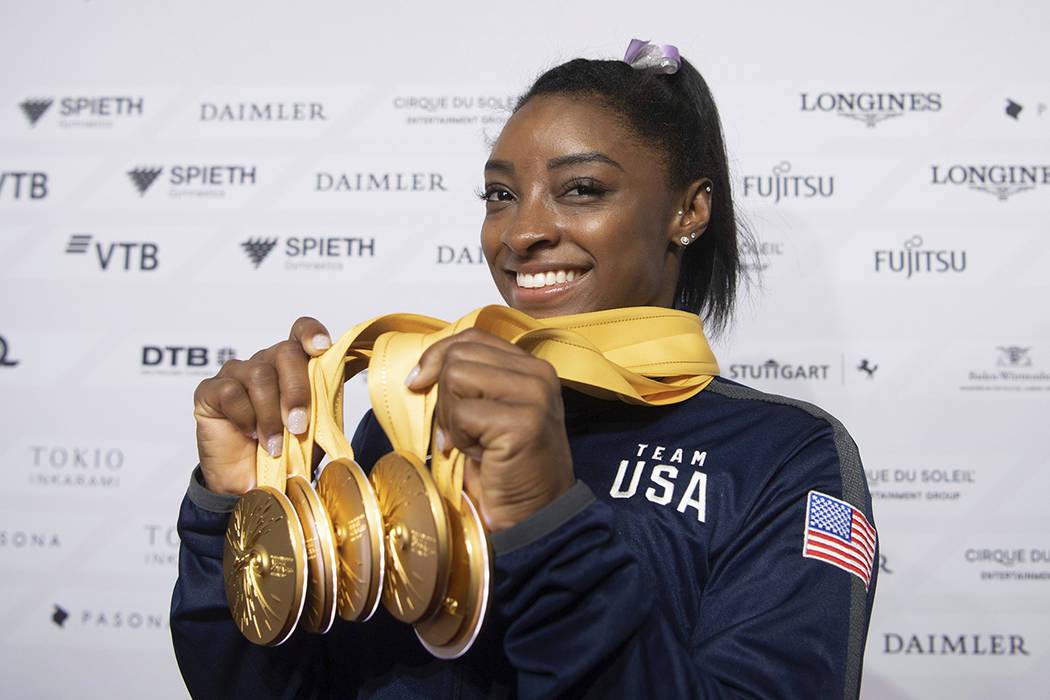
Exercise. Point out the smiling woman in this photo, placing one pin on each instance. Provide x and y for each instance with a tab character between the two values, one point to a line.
717	544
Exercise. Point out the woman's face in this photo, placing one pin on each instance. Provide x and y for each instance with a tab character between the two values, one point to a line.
579	216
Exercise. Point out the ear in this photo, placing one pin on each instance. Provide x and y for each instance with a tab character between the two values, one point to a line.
696	212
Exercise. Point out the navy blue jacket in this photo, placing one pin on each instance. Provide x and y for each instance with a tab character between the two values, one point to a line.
673	568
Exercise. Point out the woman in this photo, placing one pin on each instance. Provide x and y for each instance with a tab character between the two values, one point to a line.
640	551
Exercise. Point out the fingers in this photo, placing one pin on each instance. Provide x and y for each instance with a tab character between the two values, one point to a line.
470	343
311	335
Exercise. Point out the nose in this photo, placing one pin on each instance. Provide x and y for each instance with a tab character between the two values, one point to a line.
532	225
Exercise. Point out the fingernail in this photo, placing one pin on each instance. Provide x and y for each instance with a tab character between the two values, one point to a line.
297	420
321	342
411	376
273	446
440	442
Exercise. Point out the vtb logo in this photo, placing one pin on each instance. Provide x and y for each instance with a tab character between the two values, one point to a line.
22	185
34	109
137	255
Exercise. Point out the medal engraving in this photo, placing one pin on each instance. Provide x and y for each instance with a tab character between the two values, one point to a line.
264	566
356	524
416	532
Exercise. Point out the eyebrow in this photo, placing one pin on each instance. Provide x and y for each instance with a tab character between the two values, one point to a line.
559	162
577	158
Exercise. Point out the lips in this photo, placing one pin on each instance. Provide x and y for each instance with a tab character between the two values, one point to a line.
548	278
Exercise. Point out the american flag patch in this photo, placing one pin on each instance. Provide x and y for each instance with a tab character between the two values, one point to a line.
839	534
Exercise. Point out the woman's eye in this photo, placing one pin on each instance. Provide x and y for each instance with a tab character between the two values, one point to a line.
496	194
584	188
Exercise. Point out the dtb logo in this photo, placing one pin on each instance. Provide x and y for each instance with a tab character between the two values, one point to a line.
183	356
139	256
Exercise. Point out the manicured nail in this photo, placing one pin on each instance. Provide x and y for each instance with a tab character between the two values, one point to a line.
273	446
297	420
321	342
440	441
412	375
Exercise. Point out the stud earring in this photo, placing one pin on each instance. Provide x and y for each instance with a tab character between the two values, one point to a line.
707	188
684	240
680	212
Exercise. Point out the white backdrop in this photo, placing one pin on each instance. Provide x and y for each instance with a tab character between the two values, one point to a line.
121	292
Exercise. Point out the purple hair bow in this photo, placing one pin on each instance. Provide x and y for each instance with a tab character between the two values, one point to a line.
641	55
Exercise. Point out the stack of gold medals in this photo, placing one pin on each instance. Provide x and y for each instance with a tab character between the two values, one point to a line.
296	556
409	535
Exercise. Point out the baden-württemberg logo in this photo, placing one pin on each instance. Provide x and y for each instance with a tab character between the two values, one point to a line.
1001	180
912	260
871	107
1013	370
782	184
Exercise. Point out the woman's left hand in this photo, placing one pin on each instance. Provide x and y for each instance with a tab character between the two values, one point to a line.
501	407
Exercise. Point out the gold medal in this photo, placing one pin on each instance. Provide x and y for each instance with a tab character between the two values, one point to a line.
358	528
416	535
451	631
319	611
264	566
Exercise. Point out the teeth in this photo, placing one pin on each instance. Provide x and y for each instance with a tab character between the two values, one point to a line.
545	279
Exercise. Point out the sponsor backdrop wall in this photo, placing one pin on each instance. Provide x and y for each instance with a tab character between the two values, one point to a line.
179	181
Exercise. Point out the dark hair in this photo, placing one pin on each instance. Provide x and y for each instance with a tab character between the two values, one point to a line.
676	114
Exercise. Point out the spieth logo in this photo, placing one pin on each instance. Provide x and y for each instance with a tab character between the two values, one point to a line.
871	107
868	368
782	185
140	256
84	111
1003	181
913	260
5	361
771	369
194	180
1012	109
311	252
258	248
59	616
142	178
262	112
34	109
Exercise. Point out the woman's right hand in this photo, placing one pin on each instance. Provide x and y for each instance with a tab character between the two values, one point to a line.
249	402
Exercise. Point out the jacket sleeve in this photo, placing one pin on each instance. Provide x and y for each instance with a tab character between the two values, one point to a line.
588	616
216	661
